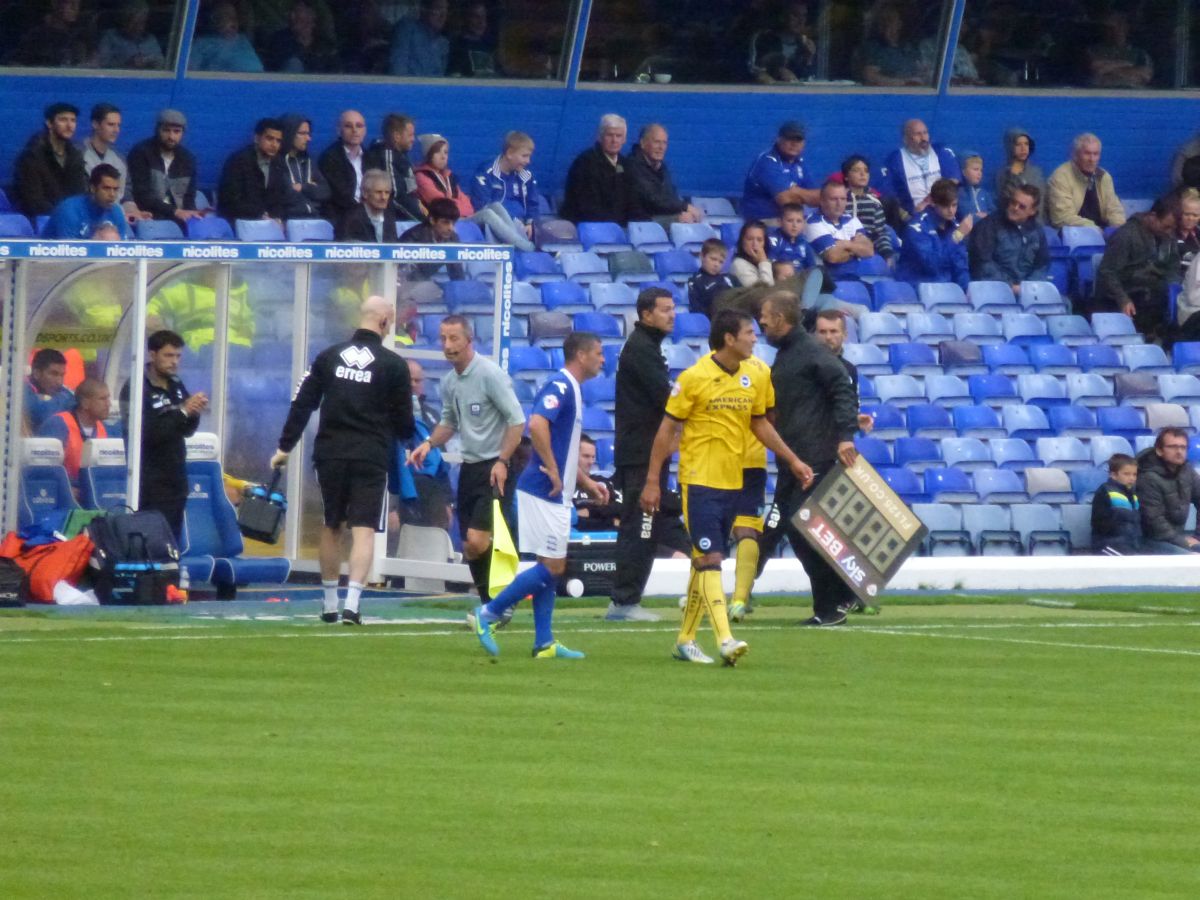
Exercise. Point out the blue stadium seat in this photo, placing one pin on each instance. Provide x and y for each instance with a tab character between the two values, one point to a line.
929	421
1013	453
1163	415
631	267
1064	453
599	392
968	454
889	420
1126	421
1049	485
961	358
160	230
1054	242
209	228
906	484
604	454
1148	358
299	230
1082	240
1104	446
469	297
469	232
556	236
977	422
679	357
991	297
40	223
1000	486
729	234
853	292
717	210
899	390
258	231
1042	298
1100	359
875	451
897	297
1041	390
603	237
880	327
692	328
1071	331
993	390
1077	521
1053	359
870	269
690	236
45	489
102	474
526	297
528	361
950	485
1070	420
612	354
610	295
1187	357
1136	389
1090	389
15	225
946	535
977	327
1085	481
1024	328
866	389
990	528
1115	328
676	265
584	267
609	328
565	296
947	390
917	453
868	358
929	328
536	266
549	329
1041	530
1007	359
597	422
943	297
913	359
1183	389
1025	422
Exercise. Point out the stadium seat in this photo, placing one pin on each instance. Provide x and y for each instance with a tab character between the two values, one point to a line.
929	328
1085	481
556	236
729	234
209	228
1041	531
1000	486
1101	359
947	390
968	454
929	420
1104	446
1013	453
881	327
870	269
1070	420
600	392
946	535
692	328
1024	328
469	232
612	355
583	267
258	231
463	297
1187	357
536	267
1064	453
631	267
1042	298
946	297
868	358
1148	358
866	389
45	489
1090	389
717	210
549	328
993	390
1041	390
961	358
897	297
529	361
977	422
1082	240
1184	389
299	230
917	453
913	359
991	531
676	265
1007	359
597	422
949	485
609	328
565	296
679	357
102	474
39	223
1125	421
889	421
980	328
1167	415
1025	422
690	236
526	297
853	292
15	225
1049	485
875	451
1115	328
1077	521
1136	389
603	237
1070	331
1053	359
899	390
160	230
906	484
613	297
991	297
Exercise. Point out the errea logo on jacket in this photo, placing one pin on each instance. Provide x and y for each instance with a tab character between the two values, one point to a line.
356	360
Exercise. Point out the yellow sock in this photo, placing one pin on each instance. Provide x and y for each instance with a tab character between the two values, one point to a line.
693	612
747	566
713	596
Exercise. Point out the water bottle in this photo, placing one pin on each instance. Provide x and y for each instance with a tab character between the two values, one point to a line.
647	525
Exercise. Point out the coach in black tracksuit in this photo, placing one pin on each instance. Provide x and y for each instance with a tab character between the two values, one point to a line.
643	385
365	397
816	414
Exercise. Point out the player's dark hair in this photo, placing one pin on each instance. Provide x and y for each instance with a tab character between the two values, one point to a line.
786	304
47	356
463	322
577	342
443	208
269	124
648	299
1031	191
1118	461
103	170
1169	431
163	338
586	438
727	321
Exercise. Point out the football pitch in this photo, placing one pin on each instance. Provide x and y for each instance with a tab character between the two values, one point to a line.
946	748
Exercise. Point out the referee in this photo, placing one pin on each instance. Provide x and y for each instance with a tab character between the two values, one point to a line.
643	385
479	405
365	396
816	410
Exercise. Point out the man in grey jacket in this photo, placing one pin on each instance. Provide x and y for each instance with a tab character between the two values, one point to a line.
1167	485
1139	263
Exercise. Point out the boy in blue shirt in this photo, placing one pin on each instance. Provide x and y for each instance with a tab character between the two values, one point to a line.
710	281
787	244
974	199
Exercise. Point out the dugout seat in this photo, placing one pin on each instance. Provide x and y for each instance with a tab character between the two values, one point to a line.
45	489
102	482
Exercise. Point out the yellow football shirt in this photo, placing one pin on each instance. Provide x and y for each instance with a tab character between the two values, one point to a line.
756	453
715	406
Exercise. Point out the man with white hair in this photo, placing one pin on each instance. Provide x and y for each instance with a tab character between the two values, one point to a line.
911	169
364	393
655	194
1080	192
599	188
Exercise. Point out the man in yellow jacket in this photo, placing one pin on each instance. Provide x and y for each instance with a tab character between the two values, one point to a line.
1082	193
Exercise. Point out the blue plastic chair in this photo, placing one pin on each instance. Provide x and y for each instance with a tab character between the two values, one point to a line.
1084	482
950	485
1024	328
15	225
1041	390
906	484
1007	359
1013	453
929	328
993	390
676	265
1070	420
528	360
1042	298
943	297
946	535
990	527
875	451
1053	359
991	296
968	454
889	420
913	359
977	422
1026	422
597	422
209	228
1101	359
603	237
468	297
947	390
928	420
899	390
649	237
690	236
565	296
979	328
1090	389
605	325
600	392
258	231
897	296
917	453
961	358
880	327
605	295
1182	389
1187	357
299	230
853	292
584	267
1115	328
692	327
1071	331
1064	453
717	210
157	230
1124	421
1102	448
1148	358
536	267
1000	486
867	358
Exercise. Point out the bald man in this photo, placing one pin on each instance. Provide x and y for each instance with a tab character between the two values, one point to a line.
911	169
342	164
364	393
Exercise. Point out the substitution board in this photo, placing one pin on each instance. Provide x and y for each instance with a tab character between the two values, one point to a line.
860	526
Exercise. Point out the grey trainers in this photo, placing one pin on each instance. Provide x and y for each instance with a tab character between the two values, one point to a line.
691	652
632	612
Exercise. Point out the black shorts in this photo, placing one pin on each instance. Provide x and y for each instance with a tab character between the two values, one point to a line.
473	504
354	493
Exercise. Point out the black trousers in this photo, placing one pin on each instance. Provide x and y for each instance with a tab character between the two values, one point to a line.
172	510
635	557
828	589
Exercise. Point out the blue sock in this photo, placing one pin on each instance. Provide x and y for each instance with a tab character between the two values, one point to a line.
531	581
543	612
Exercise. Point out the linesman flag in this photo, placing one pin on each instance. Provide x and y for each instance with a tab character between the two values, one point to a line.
504	553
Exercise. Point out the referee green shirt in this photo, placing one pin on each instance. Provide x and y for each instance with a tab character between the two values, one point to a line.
480	405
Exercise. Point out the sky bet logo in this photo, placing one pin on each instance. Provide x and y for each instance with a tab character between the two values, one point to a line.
356	359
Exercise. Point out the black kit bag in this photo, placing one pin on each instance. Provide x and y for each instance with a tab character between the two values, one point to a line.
261	512
135	557
14	586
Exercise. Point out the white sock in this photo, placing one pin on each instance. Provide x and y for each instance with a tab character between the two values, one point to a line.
331	597
353	592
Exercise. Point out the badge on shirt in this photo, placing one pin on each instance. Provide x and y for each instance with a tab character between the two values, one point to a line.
675	389
550	401
476	409
745	381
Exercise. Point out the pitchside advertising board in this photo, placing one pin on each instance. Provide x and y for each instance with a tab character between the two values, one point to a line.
861	526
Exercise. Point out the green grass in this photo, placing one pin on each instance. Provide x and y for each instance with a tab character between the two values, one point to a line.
936	751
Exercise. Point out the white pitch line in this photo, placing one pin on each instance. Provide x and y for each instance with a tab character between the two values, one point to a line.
1028	641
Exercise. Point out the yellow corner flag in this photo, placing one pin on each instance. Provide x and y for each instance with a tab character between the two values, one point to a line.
504	553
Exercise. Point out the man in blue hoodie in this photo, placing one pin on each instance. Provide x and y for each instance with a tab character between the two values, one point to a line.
77	218
910	171
934	247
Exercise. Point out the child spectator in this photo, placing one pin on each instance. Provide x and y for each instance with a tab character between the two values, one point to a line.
787	244
974	200
508	181
1116	514
864	204
705	285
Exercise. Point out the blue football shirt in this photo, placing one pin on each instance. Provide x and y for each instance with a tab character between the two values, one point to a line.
558	402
